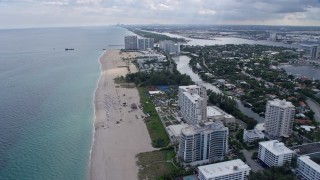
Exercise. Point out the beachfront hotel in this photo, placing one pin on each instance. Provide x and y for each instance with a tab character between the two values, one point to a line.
274	153
192	102
228	170
279	118
203	144
307	169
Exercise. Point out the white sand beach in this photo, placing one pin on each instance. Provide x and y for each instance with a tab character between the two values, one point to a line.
120	132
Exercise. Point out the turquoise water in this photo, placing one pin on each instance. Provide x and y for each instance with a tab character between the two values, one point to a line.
46	96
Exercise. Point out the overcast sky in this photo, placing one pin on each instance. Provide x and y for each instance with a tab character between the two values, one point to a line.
43	13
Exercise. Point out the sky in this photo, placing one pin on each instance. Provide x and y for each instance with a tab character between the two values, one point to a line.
57	13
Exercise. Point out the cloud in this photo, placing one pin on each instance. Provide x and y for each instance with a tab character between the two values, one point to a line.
161	7
53	12
56	2
88	1
207	12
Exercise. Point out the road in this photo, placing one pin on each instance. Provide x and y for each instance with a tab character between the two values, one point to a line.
315	107
253	164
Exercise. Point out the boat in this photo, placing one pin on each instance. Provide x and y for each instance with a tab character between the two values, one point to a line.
68	49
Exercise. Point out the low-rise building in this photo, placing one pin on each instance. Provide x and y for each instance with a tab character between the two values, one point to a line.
228	170
174	131
274	153
250	136
214	113
307	169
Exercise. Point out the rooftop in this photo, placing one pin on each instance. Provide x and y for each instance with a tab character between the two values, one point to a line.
193	97
309	162
276	147
186	88
254	133
213	111
155	92
211	126
175	130
223	168
280	103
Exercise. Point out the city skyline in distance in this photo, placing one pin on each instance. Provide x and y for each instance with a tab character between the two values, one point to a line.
58	13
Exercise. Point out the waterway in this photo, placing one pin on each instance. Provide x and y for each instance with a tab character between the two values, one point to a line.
183	64
305	70
230	40
184	68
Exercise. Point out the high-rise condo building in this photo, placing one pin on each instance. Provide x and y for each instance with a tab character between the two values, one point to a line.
204	144
145	43
192	102
131	42
274	153
169	46
314	52
279	118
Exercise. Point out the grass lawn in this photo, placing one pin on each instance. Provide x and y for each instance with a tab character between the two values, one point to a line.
159	155
155	171
153	164
156	130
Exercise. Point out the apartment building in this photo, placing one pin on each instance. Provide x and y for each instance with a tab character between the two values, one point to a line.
274	153
279	118
192	102
228	170
307	169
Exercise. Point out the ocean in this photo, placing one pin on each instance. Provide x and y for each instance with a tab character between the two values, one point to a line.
46	96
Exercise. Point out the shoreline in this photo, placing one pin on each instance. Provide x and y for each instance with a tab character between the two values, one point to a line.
119	132
94	116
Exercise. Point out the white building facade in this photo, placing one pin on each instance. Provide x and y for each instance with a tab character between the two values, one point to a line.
307	169
274	153
169	46
279	118
228	170
192	102
205	144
